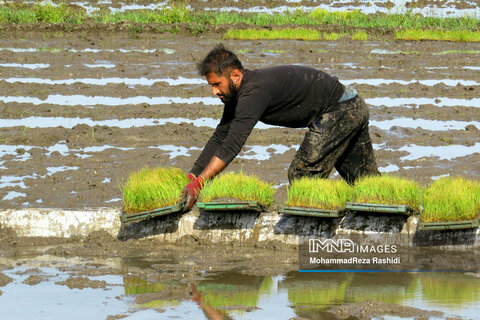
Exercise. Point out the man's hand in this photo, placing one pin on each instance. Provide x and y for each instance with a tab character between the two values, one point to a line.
192	190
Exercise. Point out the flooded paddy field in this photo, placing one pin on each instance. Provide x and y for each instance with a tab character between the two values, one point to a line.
79	111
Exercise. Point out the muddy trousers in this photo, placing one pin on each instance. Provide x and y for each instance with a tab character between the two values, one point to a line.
337	139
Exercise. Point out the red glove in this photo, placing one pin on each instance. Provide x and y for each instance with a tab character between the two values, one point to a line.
191	176
192	190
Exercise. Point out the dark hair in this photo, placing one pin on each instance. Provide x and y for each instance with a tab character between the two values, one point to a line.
220	61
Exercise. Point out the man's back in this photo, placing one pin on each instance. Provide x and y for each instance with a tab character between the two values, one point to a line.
287	95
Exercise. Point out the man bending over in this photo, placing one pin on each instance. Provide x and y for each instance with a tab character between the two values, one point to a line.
290	96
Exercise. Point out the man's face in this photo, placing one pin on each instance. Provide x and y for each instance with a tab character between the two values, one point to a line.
222	86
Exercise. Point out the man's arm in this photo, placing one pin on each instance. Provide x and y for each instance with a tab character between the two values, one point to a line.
214	167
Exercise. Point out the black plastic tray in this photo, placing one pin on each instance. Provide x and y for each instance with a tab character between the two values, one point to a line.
126	217
451	225
231	206
380	208
312	212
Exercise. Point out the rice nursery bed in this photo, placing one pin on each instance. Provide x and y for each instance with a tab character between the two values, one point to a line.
155	188
234	188
451	199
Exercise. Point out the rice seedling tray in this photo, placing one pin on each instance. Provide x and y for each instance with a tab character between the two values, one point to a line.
379	208
231	206
144	215
450	225
312	212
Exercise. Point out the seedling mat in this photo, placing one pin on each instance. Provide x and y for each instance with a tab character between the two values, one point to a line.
151	213
450	225
312	212
231	206
379	208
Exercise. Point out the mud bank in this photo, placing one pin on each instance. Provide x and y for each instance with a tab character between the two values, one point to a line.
238	228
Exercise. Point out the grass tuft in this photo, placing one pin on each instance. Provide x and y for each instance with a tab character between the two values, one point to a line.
387	189
451	199
289	33
149	189
239	186
318	193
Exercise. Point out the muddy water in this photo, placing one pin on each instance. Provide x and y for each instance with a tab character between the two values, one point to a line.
69	280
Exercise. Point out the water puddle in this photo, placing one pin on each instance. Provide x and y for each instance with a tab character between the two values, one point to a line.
415	102
14	181
449	152
13	194
433	125
389	168
440	176
87	50
31	66
425	82
52	122
105	81
262	153
52	170
176	151
56	290
81	100
106	66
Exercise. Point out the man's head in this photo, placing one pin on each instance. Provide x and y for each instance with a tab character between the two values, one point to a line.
223	71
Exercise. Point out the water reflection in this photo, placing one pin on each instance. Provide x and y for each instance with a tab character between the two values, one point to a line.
233	295
227	294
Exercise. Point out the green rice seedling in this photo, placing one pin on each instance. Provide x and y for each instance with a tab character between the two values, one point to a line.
149	189
329	194
387	189
332	36
239	186
288	33
439	35
360	36
451	199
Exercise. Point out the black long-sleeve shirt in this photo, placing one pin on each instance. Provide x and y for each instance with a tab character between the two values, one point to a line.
290	96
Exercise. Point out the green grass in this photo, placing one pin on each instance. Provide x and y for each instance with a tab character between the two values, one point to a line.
438	35
257	34
387	189
451	199
318	193
22	13
239	186
149	189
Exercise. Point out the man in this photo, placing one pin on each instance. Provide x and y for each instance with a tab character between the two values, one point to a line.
290	96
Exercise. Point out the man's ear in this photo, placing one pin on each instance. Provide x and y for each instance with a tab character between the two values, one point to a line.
236	76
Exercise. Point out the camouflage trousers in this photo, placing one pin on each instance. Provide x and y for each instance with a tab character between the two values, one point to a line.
337	139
